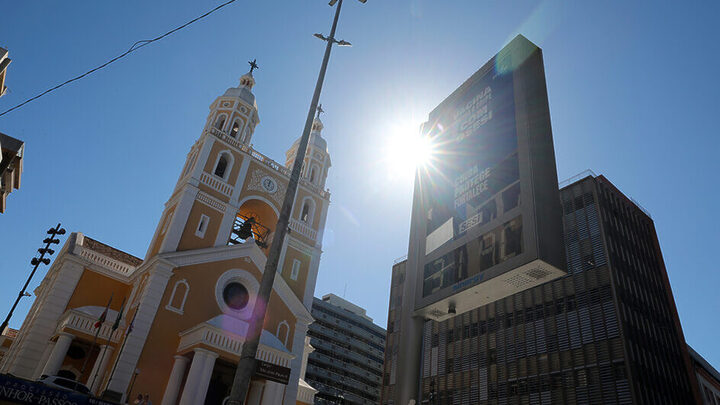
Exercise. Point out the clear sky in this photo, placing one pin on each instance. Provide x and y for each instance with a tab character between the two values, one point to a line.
632	86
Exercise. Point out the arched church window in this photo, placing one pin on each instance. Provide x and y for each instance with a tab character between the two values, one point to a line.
221	166
308	210
220	122
305	212
283	332
178	297
313	174
235	129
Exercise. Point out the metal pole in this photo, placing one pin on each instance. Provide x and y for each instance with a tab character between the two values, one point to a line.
100	363
132	383
32	273
246	366
97	332
92	346
117	358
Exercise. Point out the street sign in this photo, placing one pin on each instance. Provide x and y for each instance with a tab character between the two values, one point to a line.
272	372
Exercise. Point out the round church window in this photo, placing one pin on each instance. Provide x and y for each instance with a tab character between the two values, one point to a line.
236	296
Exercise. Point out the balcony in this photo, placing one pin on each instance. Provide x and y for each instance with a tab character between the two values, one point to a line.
103	261
216	184
303	229
343	338
355	372
345	353
306	393
78	321
231	343
338	380
356	330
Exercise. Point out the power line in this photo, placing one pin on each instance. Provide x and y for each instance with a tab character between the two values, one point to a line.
137	45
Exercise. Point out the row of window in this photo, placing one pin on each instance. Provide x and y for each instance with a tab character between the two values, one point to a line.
320	307
314	375
344	370
652	341
219	125
339	338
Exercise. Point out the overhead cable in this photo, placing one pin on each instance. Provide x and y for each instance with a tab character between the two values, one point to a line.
137	45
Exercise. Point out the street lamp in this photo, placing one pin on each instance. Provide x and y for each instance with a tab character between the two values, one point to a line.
36	261
246	365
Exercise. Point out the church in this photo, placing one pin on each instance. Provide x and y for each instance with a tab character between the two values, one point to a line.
176	320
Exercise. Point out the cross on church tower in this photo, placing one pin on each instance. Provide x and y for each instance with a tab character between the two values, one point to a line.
319	111
253	65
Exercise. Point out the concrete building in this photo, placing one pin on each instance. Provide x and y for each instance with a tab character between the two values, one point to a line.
346	364
6	338
11	167
188	302
4	62
608	332
707	377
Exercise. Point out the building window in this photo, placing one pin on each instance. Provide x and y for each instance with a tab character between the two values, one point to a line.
235	129
295	269
308	210
221	167
314	174
178	297
220	122
235	293
202	226
236	296
283	332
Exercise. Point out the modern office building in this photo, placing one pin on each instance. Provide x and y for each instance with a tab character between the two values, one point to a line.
707	377
11	166
346	365
608	332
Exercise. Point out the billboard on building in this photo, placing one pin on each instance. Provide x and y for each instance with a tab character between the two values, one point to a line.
487	212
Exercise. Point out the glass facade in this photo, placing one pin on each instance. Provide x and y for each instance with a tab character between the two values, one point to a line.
605	333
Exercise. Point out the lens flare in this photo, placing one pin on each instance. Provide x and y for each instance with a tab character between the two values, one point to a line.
406	150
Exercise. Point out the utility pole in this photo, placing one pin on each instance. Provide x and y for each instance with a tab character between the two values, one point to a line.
36	262
246	366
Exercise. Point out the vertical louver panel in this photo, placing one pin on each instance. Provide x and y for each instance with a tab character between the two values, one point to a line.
607	382
585	325
598	327
574	329
540	336
483	383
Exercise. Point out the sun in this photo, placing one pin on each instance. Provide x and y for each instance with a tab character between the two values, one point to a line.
406	150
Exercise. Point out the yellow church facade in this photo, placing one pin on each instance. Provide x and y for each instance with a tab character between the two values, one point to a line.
185	306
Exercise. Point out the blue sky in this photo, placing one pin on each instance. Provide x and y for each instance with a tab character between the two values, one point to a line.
632	89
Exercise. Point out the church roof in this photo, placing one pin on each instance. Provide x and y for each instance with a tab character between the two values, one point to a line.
111	252
244	90
316	138
242	93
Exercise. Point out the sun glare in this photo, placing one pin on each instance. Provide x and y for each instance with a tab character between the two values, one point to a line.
406	150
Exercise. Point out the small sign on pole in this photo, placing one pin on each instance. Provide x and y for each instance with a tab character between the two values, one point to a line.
272	372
